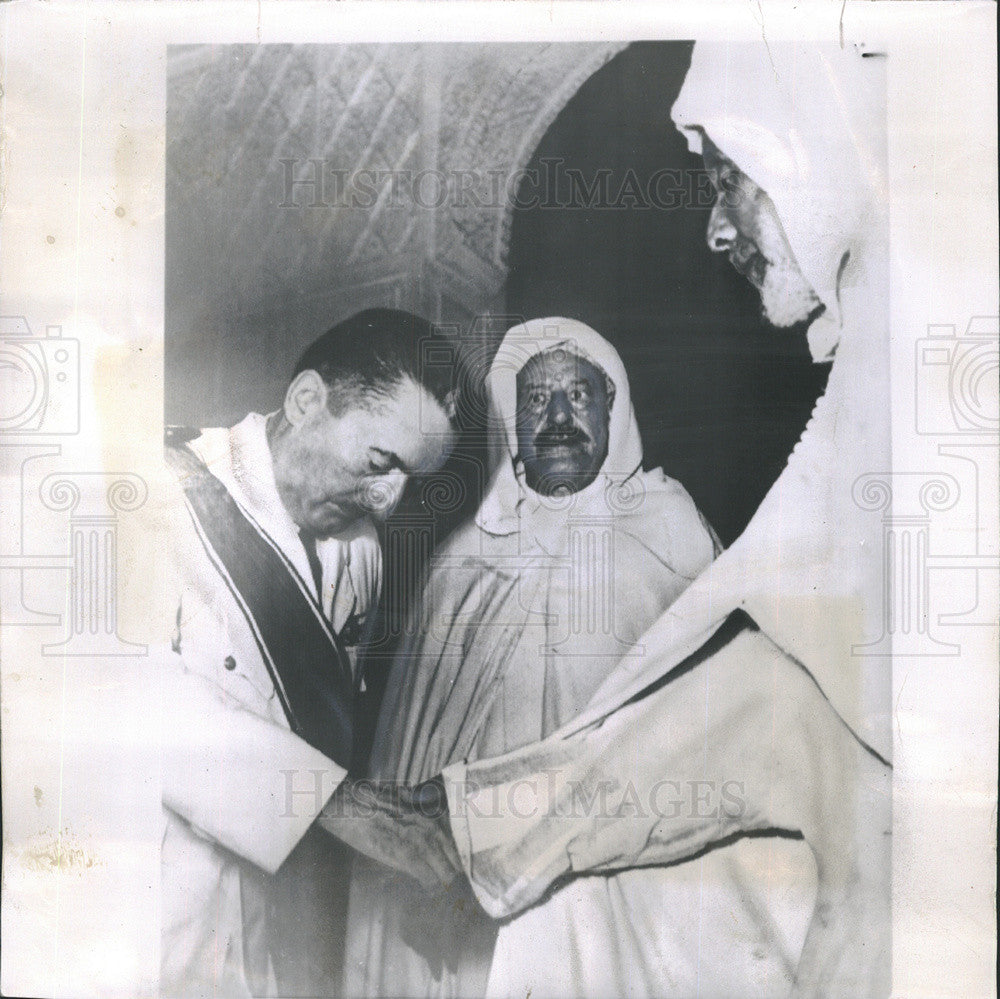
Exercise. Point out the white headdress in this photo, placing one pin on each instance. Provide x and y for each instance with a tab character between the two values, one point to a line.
801	120
509	505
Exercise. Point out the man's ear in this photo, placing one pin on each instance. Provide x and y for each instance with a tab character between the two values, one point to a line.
307	394
451	403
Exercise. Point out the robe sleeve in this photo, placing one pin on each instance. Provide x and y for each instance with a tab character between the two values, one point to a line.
237	777
740	739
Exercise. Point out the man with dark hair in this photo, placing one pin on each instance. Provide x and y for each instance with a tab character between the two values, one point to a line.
353	425
276	567
369	353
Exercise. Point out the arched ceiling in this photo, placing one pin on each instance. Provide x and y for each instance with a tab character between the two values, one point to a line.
354	172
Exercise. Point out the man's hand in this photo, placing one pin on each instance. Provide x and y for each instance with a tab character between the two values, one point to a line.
749	717
406	829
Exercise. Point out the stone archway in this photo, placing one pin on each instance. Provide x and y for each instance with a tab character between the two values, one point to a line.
516	100
307	181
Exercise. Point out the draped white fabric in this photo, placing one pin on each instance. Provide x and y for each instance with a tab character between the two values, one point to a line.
528	609
808	568
803	122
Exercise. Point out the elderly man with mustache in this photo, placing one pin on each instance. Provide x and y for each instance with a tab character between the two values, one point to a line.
756	673
751	676
573	553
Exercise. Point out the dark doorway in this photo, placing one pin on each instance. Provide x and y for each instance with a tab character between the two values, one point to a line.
610	229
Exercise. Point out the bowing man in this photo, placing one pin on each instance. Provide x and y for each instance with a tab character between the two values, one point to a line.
274	570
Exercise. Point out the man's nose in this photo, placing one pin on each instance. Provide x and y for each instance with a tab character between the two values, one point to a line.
559	408
721	232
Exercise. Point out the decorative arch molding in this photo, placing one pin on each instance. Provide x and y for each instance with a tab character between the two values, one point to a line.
291	198
517	101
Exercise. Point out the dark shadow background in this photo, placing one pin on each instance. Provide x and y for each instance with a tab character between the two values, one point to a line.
721	399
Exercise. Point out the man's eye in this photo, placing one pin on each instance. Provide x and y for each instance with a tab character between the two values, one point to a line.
739	183
578	396
727	179
536	400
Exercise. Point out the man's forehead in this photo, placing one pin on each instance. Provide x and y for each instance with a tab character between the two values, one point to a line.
561	363
409	422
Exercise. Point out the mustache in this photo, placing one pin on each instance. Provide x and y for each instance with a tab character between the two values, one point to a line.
567	435
746	258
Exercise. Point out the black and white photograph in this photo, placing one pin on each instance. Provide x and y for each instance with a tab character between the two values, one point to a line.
475	538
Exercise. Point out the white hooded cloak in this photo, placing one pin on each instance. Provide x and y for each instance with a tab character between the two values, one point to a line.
803	121
528	608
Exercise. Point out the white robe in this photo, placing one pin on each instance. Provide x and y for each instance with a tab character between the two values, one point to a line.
495	663
227	747
807	570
